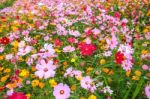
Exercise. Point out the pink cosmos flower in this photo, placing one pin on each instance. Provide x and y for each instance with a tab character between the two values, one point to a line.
88	41
113	42
47	51
69	72
96	31
45	69
147	35
24	51
127	65
77	73
68	49
87	83
1	49
46	38
145	67
10	92
25	33
61	91
74	33
147	91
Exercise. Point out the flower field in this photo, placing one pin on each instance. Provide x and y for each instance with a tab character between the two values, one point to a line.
75	49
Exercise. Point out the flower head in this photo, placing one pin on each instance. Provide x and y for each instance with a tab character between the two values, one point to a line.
61	91
45	69
87	49
119	57
18	95
147	91
4	40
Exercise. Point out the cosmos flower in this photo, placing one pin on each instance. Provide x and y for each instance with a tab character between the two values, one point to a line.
68	49
87	49
112	43
127	65
87	83
47	51
61	91
45	69
119	57
147	91
4	40
25	50
69	72
18	95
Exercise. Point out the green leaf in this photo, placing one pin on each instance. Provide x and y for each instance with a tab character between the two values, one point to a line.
138	87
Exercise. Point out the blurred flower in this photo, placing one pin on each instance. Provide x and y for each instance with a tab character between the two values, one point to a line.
68	49
137	73
92	97
87	49
41	85
147	91
87	83
18	95
10	92
119	57
52	82
107	90
35	83
145	67
73	87
4	40
102	61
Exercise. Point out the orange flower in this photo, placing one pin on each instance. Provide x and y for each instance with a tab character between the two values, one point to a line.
41	85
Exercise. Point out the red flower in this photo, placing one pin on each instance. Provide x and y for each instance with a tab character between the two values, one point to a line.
57	42
18	95
117	15
86	49
4	40
119	57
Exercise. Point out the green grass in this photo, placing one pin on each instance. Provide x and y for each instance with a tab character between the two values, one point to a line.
7	3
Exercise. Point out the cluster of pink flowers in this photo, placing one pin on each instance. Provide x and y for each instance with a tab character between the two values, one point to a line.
86	82
127	51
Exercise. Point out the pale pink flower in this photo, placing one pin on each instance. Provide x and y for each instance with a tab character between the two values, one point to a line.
113	42
96	31
127	65
68	49
147	35
26	32
147	91
87	83
69	72
1	49
25	50
9	56
74	33
45	69
61	91
88	41
145	67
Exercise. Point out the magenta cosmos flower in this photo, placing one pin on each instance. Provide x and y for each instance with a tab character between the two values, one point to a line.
61	91
45	69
